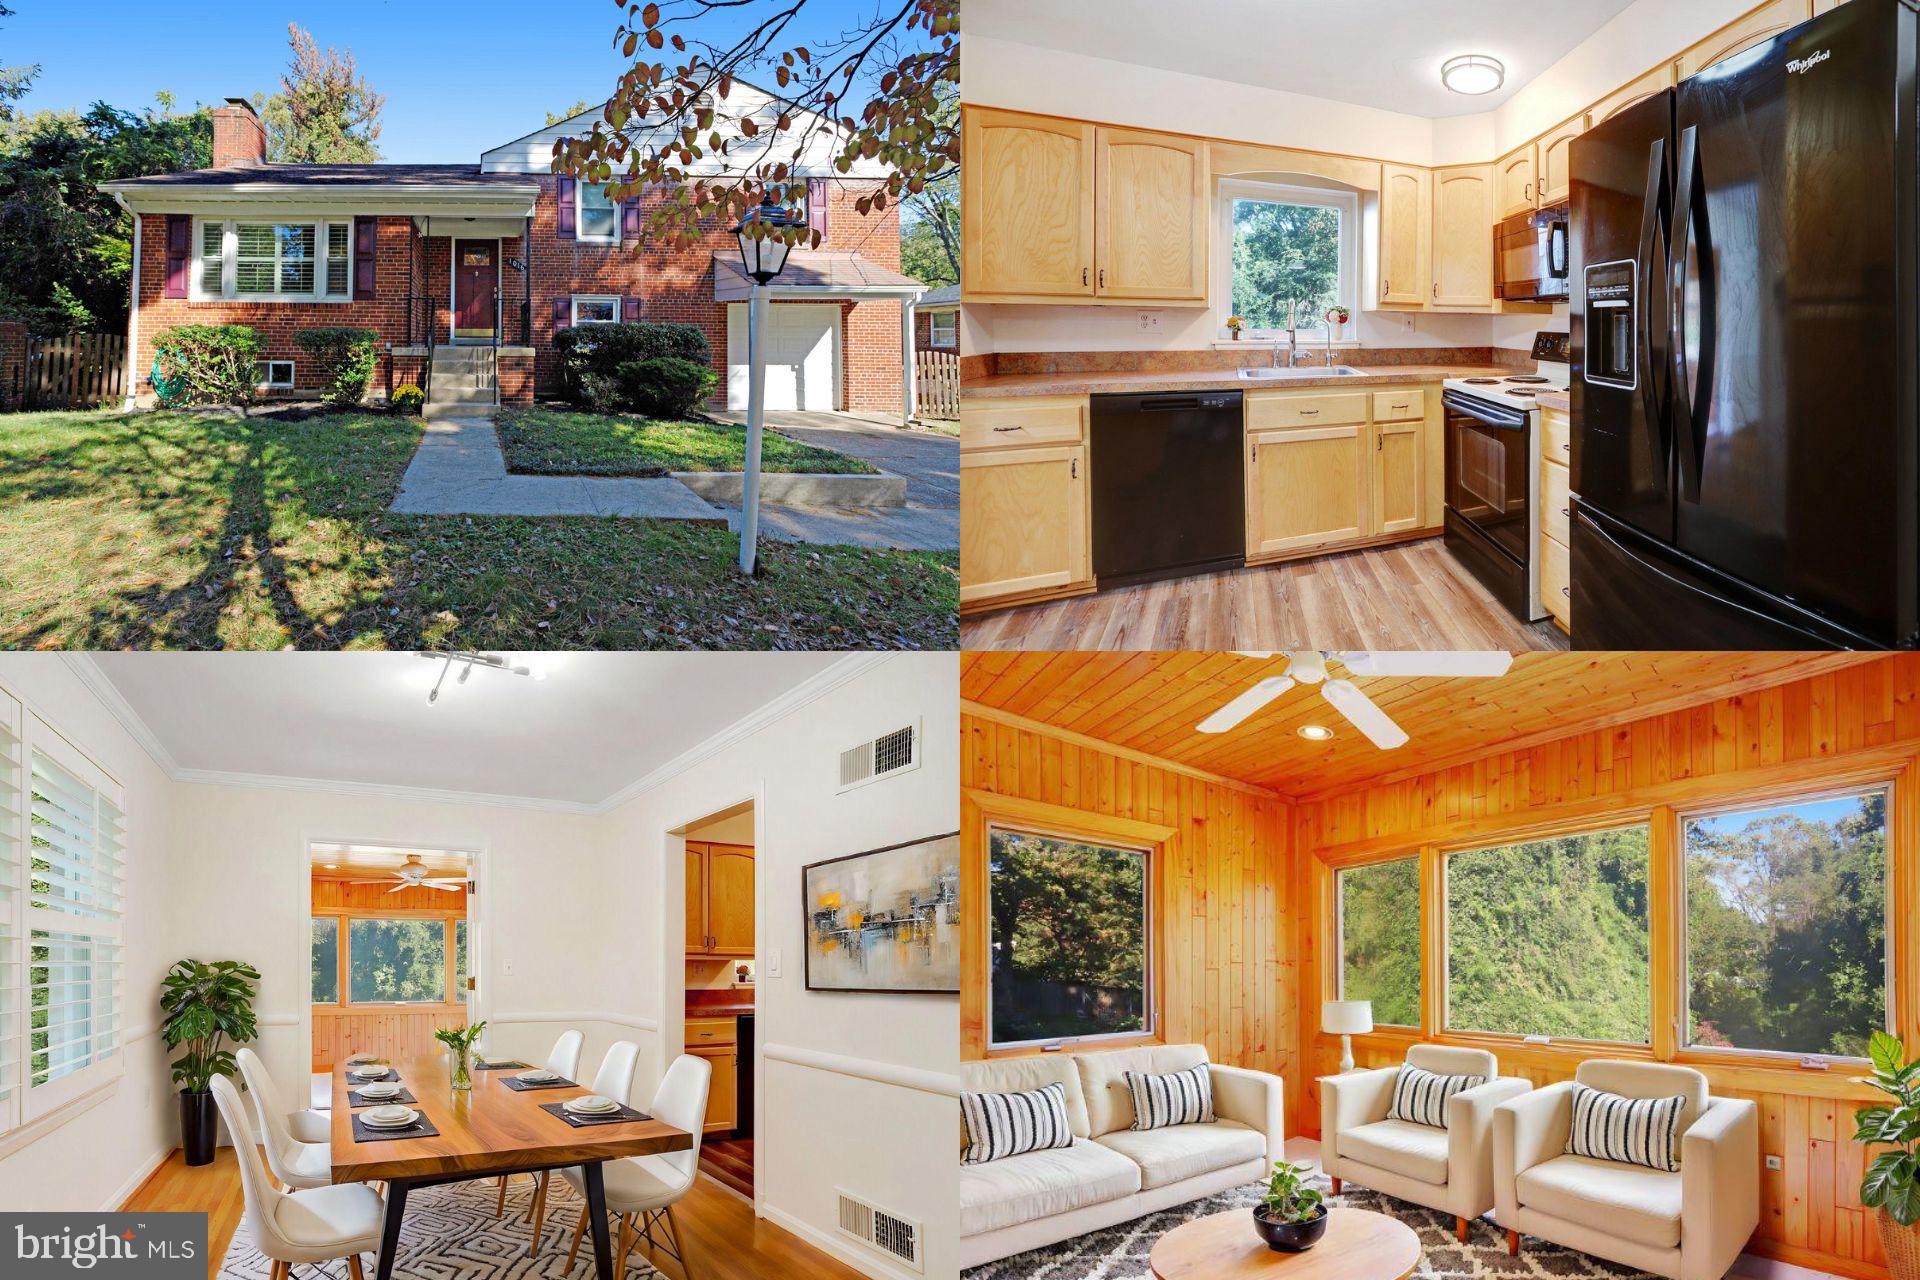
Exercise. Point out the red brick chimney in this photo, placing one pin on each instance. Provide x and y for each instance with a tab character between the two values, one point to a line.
238	136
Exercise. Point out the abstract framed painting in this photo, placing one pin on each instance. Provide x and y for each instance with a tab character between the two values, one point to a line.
885	920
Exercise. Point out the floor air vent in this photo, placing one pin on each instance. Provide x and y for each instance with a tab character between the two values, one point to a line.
888	754
895	1237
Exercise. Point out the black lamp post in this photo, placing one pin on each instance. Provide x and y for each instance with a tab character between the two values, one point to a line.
763	256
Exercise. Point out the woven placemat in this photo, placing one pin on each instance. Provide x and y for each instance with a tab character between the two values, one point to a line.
501	1066
420	1128
360	1080
626	1115
355	1099
521	1086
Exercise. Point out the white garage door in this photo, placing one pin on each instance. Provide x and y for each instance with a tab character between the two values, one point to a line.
803	356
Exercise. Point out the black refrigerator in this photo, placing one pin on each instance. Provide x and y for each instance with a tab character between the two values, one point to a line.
1743	324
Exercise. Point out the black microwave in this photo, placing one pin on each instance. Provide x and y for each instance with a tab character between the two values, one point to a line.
1530	256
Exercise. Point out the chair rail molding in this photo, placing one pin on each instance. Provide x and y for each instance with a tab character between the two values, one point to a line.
635	1021
936	1082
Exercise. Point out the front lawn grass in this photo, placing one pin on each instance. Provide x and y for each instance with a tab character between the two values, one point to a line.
561	442
171	530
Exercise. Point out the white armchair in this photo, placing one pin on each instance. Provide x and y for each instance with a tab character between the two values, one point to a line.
1448	1169
1689	1225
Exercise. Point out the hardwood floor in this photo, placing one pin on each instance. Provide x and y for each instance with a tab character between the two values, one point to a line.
730	1161
1412	595
723	1238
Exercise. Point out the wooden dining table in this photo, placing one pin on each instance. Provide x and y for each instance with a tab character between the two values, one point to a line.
486	1132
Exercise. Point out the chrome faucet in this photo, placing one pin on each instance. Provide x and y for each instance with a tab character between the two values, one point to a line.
1293	336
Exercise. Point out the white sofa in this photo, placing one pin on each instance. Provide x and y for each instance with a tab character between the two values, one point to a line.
1111	1173
1689	1225
1448	1169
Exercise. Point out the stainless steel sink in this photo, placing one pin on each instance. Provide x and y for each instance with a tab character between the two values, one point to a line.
1301	371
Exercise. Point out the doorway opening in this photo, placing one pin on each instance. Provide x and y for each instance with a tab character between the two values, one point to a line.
722	955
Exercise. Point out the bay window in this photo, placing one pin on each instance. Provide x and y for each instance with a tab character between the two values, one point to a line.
274	261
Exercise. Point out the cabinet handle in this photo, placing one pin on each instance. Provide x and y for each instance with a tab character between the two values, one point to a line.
1436	289
1103	277
998	430
1565	512
1083	275
1566	592
1566	446
1256	453
1309	413
1529	193
1379	441
1073	469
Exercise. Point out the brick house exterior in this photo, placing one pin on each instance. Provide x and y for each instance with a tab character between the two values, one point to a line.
399	226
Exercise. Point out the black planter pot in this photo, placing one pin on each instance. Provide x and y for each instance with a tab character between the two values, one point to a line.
1291	1237
197	1126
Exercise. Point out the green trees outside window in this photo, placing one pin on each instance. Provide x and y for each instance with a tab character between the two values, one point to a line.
1285	252
326	960
397	961
1379	908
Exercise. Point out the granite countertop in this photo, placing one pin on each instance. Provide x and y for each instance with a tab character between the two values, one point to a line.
1141	382
719	1004
1560	400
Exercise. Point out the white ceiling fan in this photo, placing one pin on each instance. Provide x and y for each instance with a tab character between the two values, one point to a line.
1310	667
414	874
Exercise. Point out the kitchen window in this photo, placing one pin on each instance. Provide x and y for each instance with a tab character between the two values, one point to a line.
1278	244
596	310
1377	913
597	217
273	261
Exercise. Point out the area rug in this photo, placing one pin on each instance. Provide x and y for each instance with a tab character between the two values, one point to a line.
450	1233
1120	1252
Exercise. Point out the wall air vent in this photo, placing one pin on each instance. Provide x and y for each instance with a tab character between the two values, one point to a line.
886	755
895	1237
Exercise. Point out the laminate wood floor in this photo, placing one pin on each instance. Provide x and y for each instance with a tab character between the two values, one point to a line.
723	1238
1412	595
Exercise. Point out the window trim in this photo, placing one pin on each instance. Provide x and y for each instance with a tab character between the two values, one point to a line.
933	329
230	258
344	920
268	382
578	298
580	216
1340	935
1347	288
1153	852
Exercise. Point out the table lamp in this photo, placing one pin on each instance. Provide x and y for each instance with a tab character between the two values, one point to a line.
1346	1019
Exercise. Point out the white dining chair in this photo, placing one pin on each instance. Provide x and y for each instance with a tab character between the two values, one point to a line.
309	1225
647	1187
307	1124
296	1161
614	1079
563	1061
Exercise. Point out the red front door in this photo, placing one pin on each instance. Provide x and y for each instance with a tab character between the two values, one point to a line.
476	280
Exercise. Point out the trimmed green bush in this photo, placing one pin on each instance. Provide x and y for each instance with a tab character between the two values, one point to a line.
591	356
345	358
211	363
407	398
665	387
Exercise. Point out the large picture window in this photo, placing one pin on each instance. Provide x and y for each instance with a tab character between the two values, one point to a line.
1550	937
1379	918
1285	250
397	961
274	261
1070	952
1786	919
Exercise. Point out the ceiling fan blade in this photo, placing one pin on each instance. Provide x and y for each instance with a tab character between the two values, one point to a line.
1246	704
442	886
386	880
397	888
1444	662
1361	712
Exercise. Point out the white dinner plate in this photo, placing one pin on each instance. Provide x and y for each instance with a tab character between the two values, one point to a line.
395	1117
592	1104
537	1076
377	1091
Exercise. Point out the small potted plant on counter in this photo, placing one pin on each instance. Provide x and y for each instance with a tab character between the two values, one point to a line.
459	1042
1290	1217
204	1005
1234	325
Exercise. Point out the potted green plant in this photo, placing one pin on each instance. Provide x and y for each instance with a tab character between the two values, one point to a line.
1290	1216
204	1005
459	1042
1892	1181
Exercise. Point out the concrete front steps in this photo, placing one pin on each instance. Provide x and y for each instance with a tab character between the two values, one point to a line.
463	382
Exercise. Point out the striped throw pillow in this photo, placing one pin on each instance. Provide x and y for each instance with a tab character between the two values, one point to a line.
1178	1097
1640	1131
1420	1097
1010	1124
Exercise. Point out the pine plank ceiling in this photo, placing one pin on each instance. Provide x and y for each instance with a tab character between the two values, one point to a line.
1150	703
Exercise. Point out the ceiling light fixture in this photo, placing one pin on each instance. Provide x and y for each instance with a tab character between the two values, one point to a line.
1314	732
467	662
1473	74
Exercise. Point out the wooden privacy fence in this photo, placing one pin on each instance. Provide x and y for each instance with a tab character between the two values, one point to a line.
937	383
76	370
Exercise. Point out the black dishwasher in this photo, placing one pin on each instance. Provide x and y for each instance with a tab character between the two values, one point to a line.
1169	492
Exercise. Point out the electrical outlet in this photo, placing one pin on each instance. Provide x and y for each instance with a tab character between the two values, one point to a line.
1775	1163
773	963
1150	321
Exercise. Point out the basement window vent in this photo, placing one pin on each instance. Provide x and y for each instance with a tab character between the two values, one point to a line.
895	1237
888	754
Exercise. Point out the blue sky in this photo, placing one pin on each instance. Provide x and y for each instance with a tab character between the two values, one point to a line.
1823	812
459	78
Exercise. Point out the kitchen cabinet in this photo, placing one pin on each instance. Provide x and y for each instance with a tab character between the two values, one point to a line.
1151	216
1555	593
723	1089
1556	514
1406	228
1397	450
1024	520
1551	161
719	899
1627	95
1306	487
1028	195
1743	33
1513	180
1463	238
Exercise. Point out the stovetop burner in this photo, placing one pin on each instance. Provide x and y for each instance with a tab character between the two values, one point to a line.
1522	391
1525	377
1482	382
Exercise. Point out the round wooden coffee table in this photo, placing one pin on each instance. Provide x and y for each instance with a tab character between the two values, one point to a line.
1359	1245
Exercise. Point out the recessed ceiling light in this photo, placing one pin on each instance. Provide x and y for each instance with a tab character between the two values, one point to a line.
1314	732
1473	73
332	866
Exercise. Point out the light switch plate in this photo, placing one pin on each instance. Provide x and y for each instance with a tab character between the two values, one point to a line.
506	968
1774	1162
1150	321
773	962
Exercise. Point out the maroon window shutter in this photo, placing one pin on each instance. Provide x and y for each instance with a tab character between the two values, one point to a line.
366	243
565	191
562	313
630	217
817	205
631	309
179	253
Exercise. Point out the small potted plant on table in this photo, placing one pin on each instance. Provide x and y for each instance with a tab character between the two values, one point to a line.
1892	1181
204	1004
459	1042
1290	1217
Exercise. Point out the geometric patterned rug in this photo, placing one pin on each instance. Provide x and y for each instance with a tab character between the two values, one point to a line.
451	1232
1120	1252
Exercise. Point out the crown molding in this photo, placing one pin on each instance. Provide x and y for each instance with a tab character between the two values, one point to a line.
847	668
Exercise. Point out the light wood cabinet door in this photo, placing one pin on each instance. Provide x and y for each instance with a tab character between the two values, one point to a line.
1556	595
1551	153
1406	223
1016	421
1397	451
730	899
1306	487
1743	33
1463	237
697	931
1556	507
1023	521
723	1090
1513	176
1150	216
1661	77
1027	206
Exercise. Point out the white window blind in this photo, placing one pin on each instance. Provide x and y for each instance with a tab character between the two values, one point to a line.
11	909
